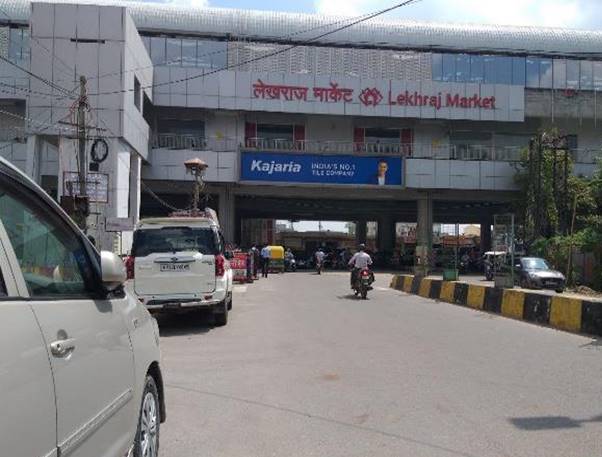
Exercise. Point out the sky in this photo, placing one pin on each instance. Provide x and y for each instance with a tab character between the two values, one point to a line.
582	14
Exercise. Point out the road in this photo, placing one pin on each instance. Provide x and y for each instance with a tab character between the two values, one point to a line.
305	369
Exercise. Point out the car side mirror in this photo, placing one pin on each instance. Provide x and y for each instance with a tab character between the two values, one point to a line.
228	255
112	270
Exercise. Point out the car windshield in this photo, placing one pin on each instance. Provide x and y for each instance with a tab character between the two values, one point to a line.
174	239
535	264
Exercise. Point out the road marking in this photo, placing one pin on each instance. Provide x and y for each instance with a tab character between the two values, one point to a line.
240	289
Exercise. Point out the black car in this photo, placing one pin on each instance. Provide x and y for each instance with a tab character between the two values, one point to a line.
535	273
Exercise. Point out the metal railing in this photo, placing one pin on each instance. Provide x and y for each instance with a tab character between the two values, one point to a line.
193	142
415	150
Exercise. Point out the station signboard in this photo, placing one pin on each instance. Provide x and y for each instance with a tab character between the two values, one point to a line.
321	169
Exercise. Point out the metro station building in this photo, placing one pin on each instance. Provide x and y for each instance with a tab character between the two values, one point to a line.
387	121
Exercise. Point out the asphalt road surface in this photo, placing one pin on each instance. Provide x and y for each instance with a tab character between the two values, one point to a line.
305	369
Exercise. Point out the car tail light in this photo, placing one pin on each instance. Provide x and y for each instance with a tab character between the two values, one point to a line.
220	265
130	262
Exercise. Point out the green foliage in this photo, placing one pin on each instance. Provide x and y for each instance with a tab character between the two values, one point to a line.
548	203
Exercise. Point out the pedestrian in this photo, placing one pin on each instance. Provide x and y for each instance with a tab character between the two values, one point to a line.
254	254
265	261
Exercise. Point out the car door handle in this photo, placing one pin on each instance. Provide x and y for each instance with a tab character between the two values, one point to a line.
62	348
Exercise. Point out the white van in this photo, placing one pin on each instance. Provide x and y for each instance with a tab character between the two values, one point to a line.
180	263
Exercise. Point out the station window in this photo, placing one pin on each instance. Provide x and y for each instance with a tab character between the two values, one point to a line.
572	74
437	66
383	136
545	73
477	69
490	76
189	58
532	67
518	71
587	75
137	94
471	145
462	67
275	132
190	127
449	68
18	45
559	73
173	52
157	50
598	75
503	70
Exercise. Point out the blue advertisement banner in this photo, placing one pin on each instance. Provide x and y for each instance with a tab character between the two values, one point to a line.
321	169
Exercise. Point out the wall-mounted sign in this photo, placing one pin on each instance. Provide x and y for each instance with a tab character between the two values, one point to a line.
97	186
372	96
345	96
321	169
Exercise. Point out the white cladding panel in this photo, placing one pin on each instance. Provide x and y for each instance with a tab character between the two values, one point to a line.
315	94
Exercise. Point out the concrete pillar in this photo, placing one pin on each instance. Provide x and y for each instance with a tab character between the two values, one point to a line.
361	232
226	214
424	233
386	234
486	234
32	159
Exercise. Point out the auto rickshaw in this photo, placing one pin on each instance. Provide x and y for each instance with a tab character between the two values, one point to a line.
276	259
492	260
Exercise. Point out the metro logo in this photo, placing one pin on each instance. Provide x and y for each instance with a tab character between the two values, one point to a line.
275	167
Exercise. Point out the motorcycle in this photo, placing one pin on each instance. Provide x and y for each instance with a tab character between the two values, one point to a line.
363	283
290	265
319	266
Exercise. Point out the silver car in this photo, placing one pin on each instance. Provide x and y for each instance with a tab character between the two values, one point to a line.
79	358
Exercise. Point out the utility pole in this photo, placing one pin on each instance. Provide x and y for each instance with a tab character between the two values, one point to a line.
81	136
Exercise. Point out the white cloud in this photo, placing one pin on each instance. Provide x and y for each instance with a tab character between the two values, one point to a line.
554	13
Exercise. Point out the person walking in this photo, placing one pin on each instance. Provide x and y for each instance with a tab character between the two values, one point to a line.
265	261
256	260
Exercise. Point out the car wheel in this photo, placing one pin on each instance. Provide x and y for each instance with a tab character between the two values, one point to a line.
221	318
147	435
230	302
524	283
559	291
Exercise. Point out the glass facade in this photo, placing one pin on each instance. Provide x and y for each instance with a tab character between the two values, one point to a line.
18	44
187	52
531	71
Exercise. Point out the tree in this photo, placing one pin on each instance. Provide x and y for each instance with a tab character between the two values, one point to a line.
557	211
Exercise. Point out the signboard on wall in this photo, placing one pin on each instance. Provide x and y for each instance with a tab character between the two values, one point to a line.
321	169
97	186
320	94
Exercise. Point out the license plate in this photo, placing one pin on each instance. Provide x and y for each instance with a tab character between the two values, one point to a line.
175	267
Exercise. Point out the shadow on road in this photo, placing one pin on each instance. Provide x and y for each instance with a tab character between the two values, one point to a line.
348	297
550	422
594	344
192	323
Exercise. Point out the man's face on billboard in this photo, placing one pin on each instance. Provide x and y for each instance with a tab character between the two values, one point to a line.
382	168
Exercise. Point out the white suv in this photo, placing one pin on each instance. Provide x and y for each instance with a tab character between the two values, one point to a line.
180	263
79	358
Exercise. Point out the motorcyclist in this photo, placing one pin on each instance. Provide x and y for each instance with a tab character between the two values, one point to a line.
360	260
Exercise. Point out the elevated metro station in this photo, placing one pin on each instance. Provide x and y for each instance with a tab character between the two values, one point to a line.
387	121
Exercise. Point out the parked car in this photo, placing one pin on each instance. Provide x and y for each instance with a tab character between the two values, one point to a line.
535	273
79	357
179	264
